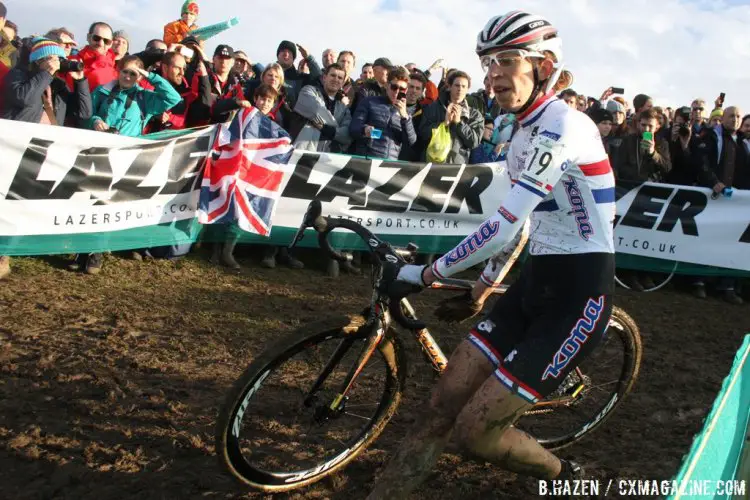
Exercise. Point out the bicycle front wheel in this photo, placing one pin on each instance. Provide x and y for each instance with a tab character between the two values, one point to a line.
590	393
274	435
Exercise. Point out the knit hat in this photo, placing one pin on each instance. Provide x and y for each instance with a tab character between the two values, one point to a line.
190	7
615	107
290	46
601	115
44	47
121	34
383	62
717	113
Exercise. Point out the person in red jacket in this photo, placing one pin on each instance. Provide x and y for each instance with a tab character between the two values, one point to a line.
97	57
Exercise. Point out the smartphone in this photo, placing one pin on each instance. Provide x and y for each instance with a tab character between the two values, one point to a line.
376	133
401	95
648	136
721	98
186	52
618	90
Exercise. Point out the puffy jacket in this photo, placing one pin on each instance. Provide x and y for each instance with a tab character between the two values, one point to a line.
478	100
334	136
129	110
24	91
465	135
98	69
378	112
175	31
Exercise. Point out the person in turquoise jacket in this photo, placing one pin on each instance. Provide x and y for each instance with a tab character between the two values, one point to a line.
124	107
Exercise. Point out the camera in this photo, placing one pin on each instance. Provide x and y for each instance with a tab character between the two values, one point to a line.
68	66
684	131
340	94
401	95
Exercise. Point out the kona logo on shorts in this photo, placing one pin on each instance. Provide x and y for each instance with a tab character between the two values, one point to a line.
579	208
471	244
578	336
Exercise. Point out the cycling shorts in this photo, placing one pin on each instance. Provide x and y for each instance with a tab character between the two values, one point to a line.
536	335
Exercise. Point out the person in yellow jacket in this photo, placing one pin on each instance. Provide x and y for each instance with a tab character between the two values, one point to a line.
175	31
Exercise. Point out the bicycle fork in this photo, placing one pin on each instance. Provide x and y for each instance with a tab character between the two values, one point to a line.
375	335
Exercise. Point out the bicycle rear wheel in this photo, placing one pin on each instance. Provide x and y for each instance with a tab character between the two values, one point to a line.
270	438
589	395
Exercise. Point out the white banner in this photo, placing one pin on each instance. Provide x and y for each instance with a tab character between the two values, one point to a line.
57	180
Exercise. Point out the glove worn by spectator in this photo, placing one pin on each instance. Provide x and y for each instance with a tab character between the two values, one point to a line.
458	308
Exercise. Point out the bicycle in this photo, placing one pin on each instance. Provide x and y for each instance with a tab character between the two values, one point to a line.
271	458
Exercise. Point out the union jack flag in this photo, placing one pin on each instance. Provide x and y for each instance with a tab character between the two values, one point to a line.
244	172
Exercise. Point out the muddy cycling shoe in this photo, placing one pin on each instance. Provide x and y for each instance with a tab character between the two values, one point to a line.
569	484
458	308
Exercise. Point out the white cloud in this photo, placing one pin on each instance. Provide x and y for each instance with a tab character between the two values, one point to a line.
673	50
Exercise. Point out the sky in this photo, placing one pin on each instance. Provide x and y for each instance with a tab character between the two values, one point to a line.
672	50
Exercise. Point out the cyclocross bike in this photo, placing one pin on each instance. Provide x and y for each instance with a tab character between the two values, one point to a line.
317	398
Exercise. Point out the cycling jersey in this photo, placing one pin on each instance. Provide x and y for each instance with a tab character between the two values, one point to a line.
562	181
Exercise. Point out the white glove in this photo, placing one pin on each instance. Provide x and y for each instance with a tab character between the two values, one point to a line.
411	274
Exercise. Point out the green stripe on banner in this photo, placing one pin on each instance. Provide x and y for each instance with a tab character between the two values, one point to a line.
717	450
189	231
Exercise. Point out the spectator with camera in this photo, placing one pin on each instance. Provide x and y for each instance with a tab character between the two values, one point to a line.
643	157
36	93
97	57
381	124
681	147
466	124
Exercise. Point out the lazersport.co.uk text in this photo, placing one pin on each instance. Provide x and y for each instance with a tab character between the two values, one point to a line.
154	213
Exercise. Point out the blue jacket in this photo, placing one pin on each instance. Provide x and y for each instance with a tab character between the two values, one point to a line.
378	112
130	120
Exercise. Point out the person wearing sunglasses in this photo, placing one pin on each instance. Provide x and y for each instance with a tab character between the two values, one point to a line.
556	313
381	124
98	59
466	124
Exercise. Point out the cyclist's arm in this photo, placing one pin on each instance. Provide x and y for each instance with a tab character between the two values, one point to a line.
547	158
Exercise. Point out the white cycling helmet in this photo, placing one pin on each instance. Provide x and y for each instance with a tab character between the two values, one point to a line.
526	32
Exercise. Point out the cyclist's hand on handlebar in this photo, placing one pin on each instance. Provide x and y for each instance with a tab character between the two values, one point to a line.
400	280
458	308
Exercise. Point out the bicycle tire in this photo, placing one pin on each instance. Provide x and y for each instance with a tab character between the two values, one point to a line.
654	288
228	448
629	333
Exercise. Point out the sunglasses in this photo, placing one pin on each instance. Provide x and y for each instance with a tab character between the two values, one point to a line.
506	58
697	109
129	72
98	39
396	87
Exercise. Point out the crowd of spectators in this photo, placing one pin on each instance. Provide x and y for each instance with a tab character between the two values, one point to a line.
386	111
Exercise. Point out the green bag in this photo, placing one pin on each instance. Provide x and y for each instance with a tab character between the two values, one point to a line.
440	144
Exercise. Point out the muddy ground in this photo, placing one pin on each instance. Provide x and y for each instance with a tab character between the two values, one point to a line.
110	384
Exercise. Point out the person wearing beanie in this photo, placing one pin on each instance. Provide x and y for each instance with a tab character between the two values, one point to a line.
604	122
35	93
294	80
120	44
175	31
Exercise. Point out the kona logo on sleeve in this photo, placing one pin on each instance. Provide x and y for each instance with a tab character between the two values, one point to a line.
472	243
578	207
592	313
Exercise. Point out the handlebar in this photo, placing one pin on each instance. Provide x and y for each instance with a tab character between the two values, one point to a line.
382	250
